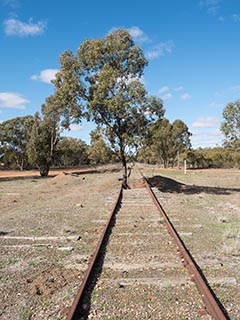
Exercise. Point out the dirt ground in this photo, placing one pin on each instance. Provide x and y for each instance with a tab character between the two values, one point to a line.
50	226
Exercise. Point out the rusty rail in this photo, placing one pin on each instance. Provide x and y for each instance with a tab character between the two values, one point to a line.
78	298
211	303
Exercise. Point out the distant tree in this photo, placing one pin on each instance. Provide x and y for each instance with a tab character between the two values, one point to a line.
181	137
147	154
14	137
99	152
8	157
168	140
197	159
230	127
194	158
222	157
160	140
102	83
42	144
71	152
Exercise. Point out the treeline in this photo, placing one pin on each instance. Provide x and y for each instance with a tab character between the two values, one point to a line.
26	145
218	157
200	158
166	144
28	142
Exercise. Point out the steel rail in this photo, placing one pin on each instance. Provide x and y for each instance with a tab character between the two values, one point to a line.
210	301
72	313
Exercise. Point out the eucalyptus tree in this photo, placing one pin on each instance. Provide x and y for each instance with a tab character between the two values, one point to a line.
230	127
180	139
42	143
103	83
168	140
71	152
160	137
99	152
14	137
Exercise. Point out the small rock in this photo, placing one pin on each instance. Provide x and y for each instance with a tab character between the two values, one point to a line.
65	248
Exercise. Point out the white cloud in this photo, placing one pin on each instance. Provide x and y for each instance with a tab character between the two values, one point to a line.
142	80
14	27
12	3
163	89
210	2
208	138
130	78
72	128
213	10
236	17
45	75
215	105
160	50
219	93
12	100
209	122
180	88
75	127
235	88
167	96
212	7
186	96
137	34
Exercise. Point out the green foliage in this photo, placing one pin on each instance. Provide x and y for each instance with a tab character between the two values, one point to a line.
213	158
165	141
71	152
146	154
197	159
14	137
231	124
99	152
67	104
41	146
102	83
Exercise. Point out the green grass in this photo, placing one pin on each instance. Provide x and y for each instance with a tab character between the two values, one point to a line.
34	263
26	314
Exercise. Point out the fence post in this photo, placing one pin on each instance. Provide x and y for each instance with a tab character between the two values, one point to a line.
185	166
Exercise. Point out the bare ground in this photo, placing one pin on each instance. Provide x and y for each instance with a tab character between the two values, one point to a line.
50	226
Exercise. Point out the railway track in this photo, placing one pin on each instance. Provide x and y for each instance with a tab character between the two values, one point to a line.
141	268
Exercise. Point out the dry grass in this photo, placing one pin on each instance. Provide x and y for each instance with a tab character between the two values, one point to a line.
231	241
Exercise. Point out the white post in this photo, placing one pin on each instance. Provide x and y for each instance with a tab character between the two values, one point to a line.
185	166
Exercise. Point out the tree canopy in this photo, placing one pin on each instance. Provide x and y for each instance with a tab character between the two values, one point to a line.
99	152
42	143
71	152
103	83
231	125
166	140
14	137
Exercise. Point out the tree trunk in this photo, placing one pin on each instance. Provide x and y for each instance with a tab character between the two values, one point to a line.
124	163
125	176
44	170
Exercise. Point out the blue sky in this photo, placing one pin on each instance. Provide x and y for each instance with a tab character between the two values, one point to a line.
192	47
